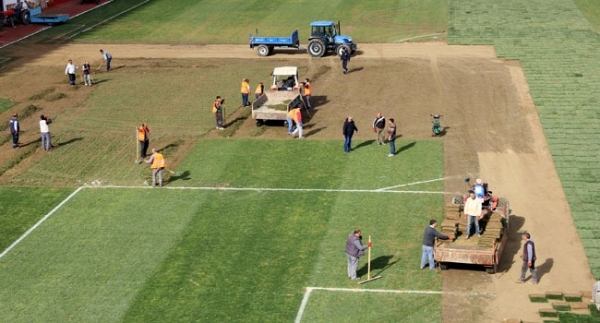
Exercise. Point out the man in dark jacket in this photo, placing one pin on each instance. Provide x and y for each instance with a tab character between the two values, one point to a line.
348	131
345	57
529	258
354	250
13	124
428	241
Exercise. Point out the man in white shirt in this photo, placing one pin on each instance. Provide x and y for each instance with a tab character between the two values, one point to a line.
70	70
45	133
472	213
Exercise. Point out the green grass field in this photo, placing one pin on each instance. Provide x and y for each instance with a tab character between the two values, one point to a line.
172	255
200	254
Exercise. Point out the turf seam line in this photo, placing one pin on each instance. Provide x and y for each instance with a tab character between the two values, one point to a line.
413	183
394	291
39	222
107	19
258	189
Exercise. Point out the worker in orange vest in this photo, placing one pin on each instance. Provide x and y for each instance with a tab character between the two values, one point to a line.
245	91
157	161
260	89
144	139
307	92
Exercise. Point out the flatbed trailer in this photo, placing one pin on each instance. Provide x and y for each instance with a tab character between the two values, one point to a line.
266	45
37	17
485	250
275	105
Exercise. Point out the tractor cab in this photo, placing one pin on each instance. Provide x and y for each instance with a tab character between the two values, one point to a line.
325	36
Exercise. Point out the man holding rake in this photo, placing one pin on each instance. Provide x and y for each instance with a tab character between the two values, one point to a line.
354	250
157	161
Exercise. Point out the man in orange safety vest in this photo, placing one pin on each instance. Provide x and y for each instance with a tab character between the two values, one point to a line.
157	161
144	139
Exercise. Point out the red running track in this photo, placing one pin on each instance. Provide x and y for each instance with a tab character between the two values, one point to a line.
73	8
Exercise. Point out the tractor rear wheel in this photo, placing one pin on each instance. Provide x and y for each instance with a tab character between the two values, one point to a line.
340	49
262	50
25	17
316	47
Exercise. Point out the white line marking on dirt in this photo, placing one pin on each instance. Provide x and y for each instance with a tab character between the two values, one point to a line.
39	222
413	183
267	189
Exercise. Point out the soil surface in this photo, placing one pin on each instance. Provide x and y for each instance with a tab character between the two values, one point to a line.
491	131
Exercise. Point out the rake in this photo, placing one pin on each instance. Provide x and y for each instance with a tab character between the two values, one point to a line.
173	173
137	149
369	279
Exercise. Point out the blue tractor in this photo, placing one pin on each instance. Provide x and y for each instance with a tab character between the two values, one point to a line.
325	36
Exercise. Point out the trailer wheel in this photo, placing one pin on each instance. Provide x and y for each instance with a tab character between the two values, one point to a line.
340	49
458	199
260	122
490	270
444	266
271	50
262	50
25	17
316	47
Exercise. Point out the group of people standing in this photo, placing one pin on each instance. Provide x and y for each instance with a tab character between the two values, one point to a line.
15	129
379	122
71	69
156	160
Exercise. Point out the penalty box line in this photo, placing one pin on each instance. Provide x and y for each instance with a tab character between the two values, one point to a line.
351	290
28	232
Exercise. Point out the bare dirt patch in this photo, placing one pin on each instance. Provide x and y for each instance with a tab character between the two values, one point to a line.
491	131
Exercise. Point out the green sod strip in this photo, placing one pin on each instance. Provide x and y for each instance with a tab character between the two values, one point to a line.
313	164
373	21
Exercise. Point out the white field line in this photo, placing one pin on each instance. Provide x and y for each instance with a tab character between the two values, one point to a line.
39	222
303	304
413	183
392	291
267	189
107	19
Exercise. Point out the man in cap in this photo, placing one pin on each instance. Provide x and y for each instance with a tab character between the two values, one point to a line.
529	258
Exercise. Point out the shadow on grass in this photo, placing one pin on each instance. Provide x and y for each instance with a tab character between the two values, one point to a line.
364	143
406	147
381	263
185	176
313	131
70	141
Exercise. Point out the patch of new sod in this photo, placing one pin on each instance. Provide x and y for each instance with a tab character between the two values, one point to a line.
96	145
172	255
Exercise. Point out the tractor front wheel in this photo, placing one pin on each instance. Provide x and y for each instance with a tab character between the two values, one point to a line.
316	47
340	49
262	50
